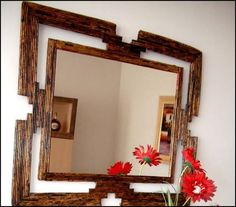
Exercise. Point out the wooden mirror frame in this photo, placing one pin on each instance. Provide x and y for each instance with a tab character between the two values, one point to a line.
35	14
53	46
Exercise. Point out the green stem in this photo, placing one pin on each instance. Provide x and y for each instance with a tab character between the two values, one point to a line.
164	199
186	201
177	195
141	168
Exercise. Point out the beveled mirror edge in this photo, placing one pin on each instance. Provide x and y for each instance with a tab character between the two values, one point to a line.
32	15
53	46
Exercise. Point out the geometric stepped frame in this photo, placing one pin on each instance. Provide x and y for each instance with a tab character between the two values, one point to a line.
32	15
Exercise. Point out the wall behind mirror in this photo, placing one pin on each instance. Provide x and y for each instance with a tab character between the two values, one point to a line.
117	110
218	16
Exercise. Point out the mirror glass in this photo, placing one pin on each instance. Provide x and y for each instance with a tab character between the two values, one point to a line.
103	109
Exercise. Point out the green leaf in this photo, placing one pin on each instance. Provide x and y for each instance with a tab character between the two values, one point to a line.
188	164
177	194
170	202
164	198
171	186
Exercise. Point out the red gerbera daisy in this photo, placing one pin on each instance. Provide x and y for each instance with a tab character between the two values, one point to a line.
151	156
197	186
188	153
190	160
120	168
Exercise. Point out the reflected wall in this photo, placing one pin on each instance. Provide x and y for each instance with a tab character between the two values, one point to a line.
118	108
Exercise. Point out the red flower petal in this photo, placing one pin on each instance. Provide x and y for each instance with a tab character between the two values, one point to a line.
188	153
189	157
120	168
197	186
127	168
151	156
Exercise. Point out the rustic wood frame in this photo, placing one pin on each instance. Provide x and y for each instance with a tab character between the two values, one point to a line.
70	134
32	15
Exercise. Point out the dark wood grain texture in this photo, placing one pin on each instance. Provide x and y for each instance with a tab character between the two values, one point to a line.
47	115
168	46
72	47
176	123
33	14
17	184
26	165
71	21
194	87
28	60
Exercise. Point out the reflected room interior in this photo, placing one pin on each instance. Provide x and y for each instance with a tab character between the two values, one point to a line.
103	109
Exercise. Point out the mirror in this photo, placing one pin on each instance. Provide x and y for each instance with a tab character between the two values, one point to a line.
107	106
118	110
44	102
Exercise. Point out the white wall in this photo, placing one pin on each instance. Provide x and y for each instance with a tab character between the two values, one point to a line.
208	26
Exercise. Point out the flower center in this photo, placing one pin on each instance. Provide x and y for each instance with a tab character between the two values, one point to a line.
147	159
197	189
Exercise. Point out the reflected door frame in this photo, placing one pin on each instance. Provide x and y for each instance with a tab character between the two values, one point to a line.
162	101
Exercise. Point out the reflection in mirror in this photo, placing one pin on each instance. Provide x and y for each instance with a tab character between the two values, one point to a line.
164	126
119	107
